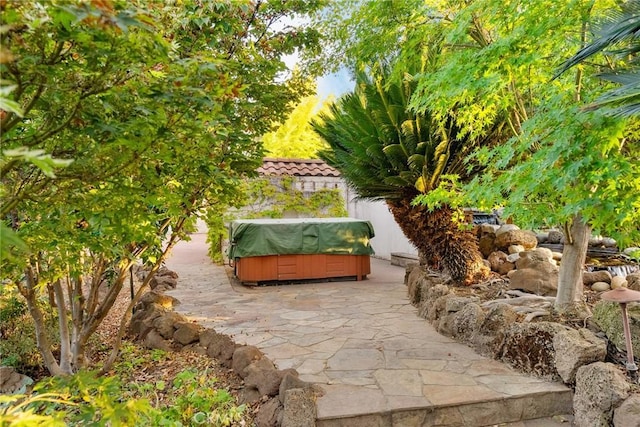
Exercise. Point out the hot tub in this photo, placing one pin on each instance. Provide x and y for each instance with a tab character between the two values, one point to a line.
269	250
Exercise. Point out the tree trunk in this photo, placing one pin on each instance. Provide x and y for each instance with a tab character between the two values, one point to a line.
438	237
569	296
28	291
63	325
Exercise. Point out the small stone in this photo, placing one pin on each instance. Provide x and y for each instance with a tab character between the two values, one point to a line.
595	241
618	282
512	258
608	242
542	237
514	249
600	286
591	277
556	255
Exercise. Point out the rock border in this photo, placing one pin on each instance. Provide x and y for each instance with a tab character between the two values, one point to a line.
550	350
286	401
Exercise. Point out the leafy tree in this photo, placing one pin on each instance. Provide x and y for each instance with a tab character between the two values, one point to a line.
388	153
159	106
489	66
295	138
560	166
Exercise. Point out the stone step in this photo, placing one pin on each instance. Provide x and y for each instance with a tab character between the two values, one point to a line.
565	420
403	258
548	409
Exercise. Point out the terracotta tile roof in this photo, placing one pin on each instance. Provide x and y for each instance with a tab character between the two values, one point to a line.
296	167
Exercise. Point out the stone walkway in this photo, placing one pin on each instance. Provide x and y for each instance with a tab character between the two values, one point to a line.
362	342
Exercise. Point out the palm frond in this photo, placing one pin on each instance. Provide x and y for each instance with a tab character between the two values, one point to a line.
620	26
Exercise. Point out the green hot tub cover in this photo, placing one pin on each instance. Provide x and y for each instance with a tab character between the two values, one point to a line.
258	237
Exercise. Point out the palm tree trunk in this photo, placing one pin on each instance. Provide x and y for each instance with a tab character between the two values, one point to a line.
438	237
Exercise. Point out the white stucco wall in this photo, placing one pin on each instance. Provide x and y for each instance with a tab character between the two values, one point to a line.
389	238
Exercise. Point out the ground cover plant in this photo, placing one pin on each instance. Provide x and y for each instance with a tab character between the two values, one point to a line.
145	388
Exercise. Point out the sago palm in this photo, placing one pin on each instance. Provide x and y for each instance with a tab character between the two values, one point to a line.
385	152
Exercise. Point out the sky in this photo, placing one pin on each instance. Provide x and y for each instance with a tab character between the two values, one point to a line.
335	84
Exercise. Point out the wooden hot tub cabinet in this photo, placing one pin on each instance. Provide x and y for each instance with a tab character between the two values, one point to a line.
301	267
268	250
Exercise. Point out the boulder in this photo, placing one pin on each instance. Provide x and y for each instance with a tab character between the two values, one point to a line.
499	262
600	388
207	336
591	277
496	258
542	237
187	333
444	324
555	237
529	347
533	257
486	245
575	348
163	283
600	286
504	228
290	381
243	356
419	282
491	331
249	395
488	229
595	241
154	340
269	413
299	408
165	324
194	348
541	279
633	281
608	242
163	300
218	346
455	303
618	282
438	307
608	317
628	414
467	322
164	271
432	303
13	382
526	239
263	375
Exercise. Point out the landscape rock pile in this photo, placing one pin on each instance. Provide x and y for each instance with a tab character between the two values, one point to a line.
285	400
